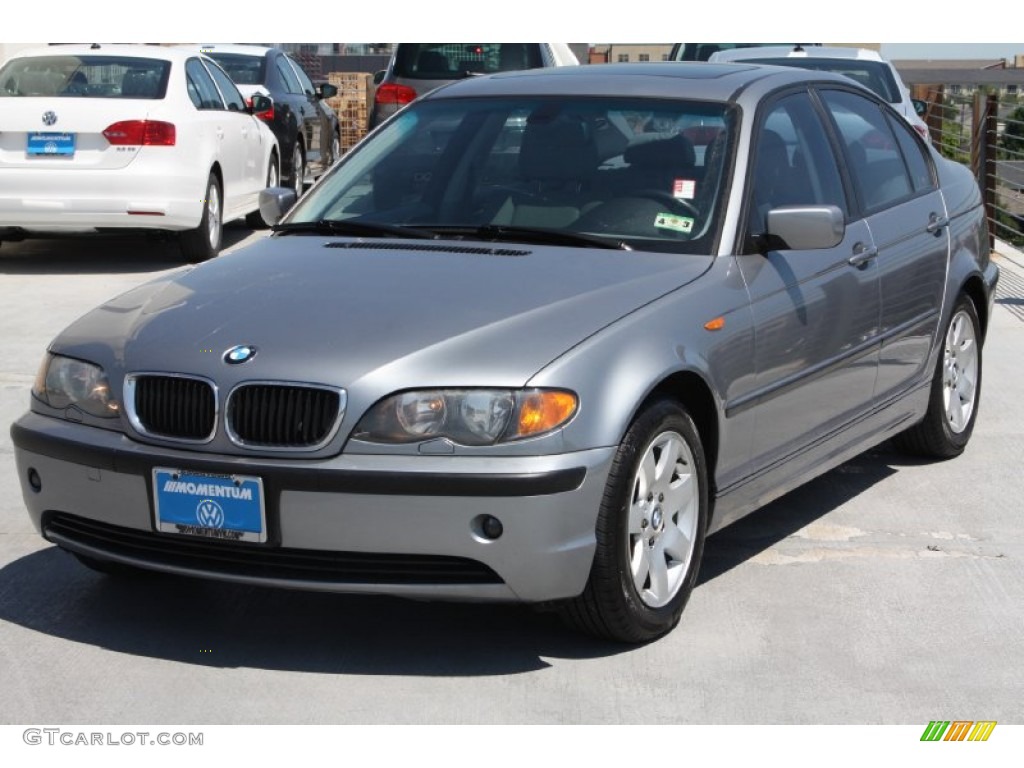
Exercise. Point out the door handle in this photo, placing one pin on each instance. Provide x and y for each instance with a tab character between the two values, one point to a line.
220	133
862	255
936	223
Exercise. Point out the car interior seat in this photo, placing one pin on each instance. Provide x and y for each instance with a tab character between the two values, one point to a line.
139	83
433	62
557	161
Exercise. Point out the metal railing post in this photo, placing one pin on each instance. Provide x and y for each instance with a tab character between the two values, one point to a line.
984	138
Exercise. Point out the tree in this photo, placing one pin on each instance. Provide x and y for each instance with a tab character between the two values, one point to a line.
1013	135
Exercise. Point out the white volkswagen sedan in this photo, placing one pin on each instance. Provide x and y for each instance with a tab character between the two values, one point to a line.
128	137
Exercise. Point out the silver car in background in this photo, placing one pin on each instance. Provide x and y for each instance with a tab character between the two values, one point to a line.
532	341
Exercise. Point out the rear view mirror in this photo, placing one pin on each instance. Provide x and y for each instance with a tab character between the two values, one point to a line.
378	77
805	227
326	90
920	106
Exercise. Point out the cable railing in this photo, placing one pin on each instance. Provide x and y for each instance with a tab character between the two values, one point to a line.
986	134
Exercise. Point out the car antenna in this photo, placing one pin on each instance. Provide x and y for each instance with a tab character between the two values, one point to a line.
798	48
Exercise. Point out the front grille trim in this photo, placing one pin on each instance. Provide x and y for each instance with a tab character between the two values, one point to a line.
131	382
259	561
241	442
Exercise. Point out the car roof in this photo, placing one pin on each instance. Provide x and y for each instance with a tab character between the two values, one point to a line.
786	51
109	49
232	48
668	79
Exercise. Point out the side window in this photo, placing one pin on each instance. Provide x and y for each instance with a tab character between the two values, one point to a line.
201	89
304	81
232	98
291	82
876	163
793	162
918	163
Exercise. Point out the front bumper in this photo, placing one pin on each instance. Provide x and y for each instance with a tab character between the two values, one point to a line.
397	525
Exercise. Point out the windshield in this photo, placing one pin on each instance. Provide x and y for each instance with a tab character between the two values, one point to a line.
451	61
873	75
242	69
648	173
85	77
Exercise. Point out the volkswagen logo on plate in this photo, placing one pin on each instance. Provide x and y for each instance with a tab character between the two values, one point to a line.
209	514
240	354
49	118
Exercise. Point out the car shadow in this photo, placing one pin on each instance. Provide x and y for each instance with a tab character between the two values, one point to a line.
225	625
102	254
766	527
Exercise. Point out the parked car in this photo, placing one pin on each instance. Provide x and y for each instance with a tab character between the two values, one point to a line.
527	343
306	128
128	137
704	51
864	65
418	68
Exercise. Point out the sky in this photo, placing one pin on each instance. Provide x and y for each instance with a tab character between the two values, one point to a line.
940	29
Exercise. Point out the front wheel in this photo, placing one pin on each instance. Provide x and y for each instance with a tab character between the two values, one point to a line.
203	242
955	390
298	170
650	531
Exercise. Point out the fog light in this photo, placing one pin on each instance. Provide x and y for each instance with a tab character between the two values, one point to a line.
34	480
492	527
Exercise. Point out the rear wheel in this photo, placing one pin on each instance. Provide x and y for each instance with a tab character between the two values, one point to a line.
955	391
650	531
203	242
298	169
255	219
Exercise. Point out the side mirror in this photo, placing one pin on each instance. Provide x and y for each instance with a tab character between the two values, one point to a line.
275	202
920	106
261	103
326	90
378	77
805	227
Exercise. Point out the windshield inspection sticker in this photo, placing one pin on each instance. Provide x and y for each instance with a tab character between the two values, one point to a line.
682	224
684	188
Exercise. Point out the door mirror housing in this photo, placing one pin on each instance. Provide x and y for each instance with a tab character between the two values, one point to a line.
378	77
326	90
261	103
920	106
275	202
805	227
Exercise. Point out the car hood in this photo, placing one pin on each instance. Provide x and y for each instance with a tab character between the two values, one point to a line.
376	315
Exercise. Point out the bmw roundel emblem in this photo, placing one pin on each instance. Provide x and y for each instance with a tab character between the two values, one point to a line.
240	354
49	118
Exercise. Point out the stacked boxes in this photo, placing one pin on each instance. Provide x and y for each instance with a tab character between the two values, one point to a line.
355	95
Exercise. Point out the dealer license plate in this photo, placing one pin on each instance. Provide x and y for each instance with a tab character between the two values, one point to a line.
226	507
57	144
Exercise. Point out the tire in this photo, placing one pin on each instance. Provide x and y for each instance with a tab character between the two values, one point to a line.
650	531
254	220
955	390
204	241
298	169
335	149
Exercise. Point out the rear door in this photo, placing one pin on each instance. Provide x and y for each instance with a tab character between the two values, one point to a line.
242	143
896	184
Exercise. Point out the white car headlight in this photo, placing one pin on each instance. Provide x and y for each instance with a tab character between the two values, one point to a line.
467	416
63	382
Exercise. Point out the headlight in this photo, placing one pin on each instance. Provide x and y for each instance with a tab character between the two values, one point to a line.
63	382
467	416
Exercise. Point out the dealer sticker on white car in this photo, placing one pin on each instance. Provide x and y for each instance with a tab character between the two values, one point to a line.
228	507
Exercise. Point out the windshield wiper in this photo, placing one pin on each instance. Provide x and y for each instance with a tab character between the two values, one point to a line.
539	235
354	227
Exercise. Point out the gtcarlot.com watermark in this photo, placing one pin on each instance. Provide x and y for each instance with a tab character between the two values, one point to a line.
60	737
